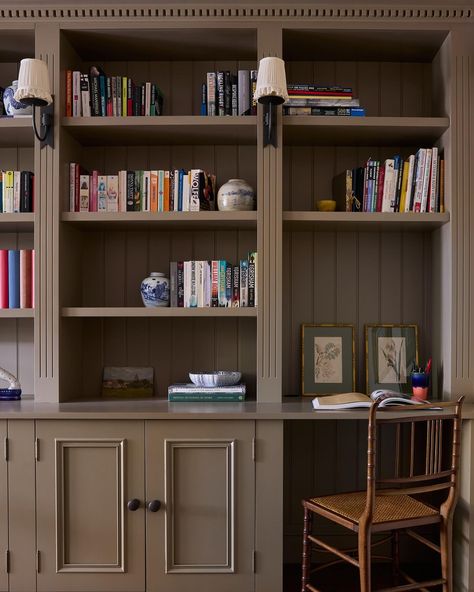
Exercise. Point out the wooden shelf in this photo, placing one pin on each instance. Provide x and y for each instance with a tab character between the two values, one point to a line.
16	222
162	220
17	313
362	131
167	312
167	130
16	131
366	221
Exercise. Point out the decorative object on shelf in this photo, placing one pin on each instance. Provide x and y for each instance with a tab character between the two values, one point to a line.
271	91
155	290
127	381
13	392
391	352
14	107
33	89
217	378
326	205
328	359
420	381
236	195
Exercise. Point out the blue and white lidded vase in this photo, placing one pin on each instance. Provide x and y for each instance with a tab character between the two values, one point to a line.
13	107
155	290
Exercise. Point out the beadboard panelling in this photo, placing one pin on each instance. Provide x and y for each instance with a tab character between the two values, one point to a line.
355	278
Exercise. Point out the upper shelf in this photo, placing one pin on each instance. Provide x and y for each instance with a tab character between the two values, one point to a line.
141	311
23	222
162	220
16	131
362	131
186	129
364	221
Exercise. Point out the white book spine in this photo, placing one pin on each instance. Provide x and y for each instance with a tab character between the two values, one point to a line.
388	185
411	165
72	186
192	285
84	193
122	205
211	93
102	193
194	193
420	167
16	190
433	180
176	190
186	192
200	283
207	283
112	193
187	283
426	180
85	96
243	89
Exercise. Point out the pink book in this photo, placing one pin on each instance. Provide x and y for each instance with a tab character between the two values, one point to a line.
33	278
3	278
25	279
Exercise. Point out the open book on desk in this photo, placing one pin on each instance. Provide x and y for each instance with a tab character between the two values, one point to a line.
358	400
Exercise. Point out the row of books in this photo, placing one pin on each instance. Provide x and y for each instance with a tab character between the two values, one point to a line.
225	93
414	184
16	278
177	190
214	283
190	392
16	191
313	99
97	95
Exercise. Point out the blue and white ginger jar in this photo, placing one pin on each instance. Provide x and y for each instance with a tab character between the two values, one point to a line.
155	290
13	107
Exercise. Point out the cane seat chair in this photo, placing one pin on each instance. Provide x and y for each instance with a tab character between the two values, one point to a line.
424	463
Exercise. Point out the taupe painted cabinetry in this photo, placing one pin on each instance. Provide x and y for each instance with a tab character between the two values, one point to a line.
96	529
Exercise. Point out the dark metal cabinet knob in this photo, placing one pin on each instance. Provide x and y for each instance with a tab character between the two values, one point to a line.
133	504
154	505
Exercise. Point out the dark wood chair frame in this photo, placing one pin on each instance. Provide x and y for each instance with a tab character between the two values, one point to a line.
433	477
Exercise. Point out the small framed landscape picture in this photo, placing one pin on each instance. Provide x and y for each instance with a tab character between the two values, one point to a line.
391	353
127	381
328	359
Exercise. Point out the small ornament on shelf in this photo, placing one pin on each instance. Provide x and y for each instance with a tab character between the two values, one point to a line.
155	290
13	391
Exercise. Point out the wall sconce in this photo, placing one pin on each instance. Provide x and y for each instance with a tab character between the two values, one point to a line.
33	89
271	91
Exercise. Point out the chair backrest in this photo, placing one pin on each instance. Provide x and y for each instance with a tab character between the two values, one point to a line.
424	453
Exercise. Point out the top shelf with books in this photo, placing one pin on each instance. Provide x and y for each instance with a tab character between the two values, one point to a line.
362	131
164	130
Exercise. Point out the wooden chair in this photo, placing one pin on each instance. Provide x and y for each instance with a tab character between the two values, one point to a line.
425	462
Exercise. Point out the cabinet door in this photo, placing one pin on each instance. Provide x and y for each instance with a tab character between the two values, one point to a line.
3	511
88	539
202	537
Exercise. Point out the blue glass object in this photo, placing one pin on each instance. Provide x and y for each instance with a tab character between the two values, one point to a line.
420	379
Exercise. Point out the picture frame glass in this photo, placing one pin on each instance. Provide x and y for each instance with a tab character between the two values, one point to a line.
327	359
391	355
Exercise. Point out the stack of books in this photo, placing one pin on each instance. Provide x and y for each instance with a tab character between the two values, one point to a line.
225	93
97	95
413	184
313	99
177	190
16	191
192	393
16	278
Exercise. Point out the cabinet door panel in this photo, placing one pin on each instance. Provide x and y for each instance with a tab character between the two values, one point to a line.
3	510
203	473
87	538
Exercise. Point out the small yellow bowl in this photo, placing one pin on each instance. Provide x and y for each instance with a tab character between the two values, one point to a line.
326	205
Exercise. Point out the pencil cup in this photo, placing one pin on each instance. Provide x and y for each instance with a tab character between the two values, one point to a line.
420	383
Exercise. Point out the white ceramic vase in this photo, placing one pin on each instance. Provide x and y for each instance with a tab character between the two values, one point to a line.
155	290
235	195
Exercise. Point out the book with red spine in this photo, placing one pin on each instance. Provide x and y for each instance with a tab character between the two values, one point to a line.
25	278
3	278
32	278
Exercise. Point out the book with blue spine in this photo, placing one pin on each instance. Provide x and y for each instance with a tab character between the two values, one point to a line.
13	278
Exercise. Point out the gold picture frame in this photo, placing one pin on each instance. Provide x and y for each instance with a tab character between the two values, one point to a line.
327	359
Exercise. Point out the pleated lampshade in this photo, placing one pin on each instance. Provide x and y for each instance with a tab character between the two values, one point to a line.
33	83
271	81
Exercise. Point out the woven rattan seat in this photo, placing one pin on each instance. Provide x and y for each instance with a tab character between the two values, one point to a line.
388	508
423	462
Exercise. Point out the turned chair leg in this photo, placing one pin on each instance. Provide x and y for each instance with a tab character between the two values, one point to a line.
364	561
306	563
446	545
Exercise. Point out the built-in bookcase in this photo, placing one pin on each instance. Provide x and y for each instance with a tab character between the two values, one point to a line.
16	230
103	318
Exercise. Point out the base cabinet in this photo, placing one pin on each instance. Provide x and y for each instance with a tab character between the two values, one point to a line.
145	505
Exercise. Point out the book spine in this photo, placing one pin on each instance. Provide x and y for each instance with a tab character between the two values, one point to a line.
95	100
193	297
85	96
68	93
236	286
3	278
211	93
146	191
16	191
112	193
101	193
103	95
174	283
203	110
215	283
426	180
194	201
253	88
166	192
180	283
234	96
196	397
137	196
243	104
244	271
316	87
108	97
221	289
13	279
228	285
84	181
25	278
251	284
433	181
154	191
227	93
186	191
8	182
76	94
220	109
420	167
408	197
93	203
253	259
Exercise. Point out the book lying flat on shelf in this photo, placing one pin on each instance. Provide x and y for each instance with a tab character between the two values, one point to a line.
192	393
358	400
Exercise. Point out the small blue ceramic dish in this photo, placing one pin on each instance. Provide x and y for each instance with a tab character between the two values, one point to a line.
10	394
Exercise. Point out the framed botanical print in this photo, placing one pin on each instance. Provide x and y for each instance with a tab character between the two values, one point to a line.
391	353
328	359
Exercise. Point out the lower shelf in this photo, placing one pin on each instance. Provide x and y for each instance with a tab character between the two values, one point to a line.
140	311
17	313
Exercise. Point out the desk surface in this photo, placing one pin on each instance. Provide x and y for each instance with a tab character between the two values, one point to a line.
159	409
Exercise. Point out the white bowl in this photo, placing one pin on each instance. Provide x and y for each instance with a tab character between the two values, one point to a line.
218	378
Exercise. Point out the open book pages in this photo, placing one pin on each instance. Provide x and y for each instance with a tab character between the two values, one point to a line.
357	400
